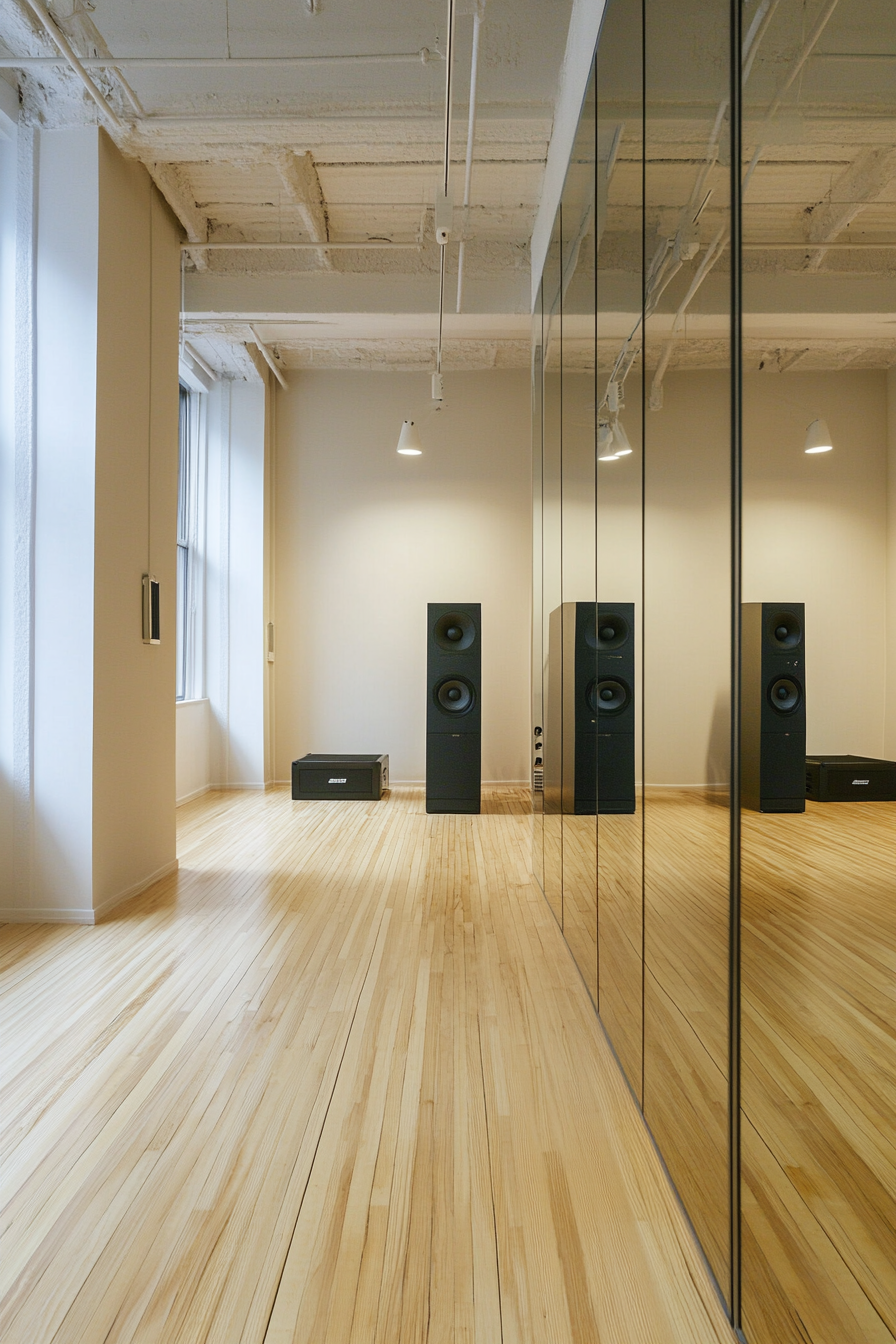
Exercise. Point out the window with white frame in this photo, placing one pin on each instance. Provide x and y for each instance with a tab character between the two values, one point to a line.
187	556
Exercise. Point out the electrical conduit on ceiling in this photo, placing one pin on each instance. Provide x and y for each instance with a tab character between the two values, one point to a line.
471	132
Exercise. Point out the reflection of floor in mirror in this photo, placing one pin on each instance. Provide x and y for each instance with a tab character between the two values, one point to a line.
686	1002
580	895
620	935
819	1075
337	1079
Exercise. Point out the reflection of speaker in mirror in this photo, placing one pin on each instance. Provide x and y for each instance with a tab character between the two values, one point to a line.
592	660
773	707
453	715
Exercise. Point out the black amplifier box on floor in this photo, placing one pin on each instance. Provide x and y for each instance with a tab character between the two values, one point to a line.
359	778
847	779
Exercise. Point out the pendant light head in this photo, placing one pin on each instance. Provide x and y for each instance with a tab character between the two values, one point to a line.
606	448
818	438
621	445
409	444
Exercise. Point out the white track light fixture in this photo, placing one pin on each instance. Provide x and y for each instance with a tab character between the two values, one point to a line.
818	438
409	444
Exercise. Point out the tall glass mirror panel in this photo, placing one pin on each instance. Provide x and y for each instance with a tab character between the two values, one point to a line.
819	678
537	742
576	618
552	575
619	236
687	598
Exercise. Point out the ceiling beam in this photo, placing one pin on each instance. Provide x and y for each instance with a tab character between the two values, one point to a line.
301	183
860	184
172	183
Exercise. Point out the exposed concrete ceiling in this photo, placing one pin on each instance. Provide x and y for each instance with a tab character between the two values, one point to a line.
347	150
336	151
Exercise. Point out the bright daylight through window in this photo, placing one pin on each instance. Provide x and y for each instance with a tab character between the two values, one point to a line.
185	535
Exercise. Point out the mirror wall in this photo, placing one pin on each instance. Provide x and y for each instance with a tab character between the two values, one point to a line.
715	609
687	600
818	977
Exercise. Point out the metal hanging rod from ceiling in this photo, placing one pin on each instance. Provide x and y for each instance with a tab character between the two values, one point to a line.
422	57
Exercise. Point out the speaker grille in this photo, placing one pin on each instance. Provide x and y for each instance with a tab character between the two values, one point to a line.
455	630
612	631
454	695
785	695
784	629
609	696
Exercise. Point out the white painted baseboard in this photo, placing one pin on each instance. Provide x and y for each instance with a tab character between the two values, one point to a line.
188	797
45	915
419	783
49	915
165	871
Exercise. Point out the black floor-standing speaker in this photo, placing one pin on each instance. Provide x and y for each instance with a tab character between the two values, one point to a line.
453	706
599	688
773	706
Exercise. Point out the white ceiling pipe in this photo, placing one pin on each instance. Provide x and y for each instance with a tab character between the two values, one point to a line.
280	247
471	132
796	66
197	358
423	57
812	247
268	358
449	70
74	61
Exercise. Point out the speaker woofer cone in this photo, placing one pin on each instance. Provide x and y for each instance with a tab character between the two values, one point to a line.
608	696
454	695
785	630
785	695
455	630
612	631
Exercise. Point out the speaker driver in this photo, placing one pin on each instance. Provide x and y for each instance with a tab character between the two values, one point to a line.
454	695
454	630
785	695
785	630
608	696
612	631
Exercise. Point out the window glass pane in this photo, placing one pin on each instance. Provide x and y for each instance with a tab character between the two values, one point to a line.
184	495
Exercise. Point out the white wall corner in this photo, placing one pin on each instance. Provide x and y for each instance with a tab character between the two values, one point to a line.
581	41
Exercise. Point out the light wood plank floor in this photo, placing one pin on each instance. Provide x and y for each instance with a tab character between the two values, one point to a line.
338	1080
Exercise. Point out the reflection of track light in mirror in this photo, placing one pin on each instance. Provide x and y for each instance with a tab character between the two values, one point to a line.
621	445
606	447
818	438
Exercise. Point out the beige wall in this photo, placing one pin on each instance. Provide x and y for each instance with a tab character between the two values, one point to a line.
136	508
365	538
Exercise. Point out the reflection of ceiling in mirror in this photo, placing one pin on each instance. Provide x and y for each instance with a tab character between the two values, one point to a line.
819	171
